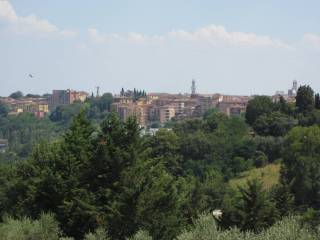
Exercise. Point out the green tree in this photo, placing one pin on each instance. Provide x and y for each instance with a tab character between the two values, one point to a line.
301	166
16	95
284	107
270	146
4	109
284	199
317	101
309	118
274	124
165	146
305	101
257	106
254	211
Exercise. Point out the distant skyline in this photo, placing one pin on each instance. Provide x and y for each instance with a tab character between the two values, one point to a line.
232	47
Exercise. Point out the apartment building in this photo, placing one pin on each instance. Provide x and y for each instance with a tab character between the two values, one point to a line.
232	105
38	106
167	113
65	97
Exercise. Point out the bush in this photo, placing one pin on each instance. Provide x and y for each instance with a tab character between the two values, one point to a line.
46	228
99	234
141	235
205	228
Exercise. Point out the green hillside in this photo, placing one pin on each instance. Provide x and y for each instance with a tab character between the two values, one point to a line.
269	175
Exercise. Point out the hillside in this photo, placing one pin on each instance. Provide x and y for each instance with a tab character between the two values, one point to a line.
269	175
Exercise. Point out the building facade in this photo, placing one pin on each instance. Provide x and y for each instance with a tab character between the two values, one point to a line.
65	97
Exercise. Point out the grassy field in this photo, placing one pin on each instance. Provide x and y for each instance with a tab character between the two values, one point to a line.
269	175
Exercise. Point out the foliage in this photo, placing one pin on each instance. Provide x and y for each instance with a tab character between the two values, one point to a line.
24	131
4	109
317	101
100	175
205	228
309	118
65	113
141	235
269	176
99	234
301	166
258	106
135	94
283	198
311	219
254	211
270	146
274	124
305	101
45	228
16	95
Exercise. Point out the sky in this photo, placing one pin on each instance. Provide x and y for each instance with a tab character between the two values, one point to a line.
241	47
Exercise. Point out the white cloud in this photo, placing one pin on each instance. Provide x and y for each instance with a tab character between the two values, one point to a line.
132	37
98	37
312	40
29	23
68	33
6	11
210	34
215	34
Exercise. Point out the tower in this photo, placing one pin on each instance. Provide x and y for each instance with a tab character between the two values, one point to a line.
97	93
295	85
193	88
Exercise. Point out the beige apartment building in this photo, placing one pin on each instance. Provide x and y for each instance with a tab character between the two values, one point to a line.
167	113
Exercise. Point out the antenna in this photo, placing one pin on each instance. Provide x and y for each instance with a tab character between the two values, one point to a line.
98	88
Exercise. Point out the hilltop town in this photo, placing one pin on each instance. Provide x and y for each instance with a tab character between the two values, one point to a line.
148	108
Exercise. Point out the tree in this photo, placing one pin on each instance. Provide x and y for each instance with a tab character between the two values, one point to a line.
301	166
270	146
309	118
65	113
257	106
274	124
159	206
253	211
256	209
104	102
317	101
61	185
4	110
122	92
165	146
16	95
284	107
305	101
283	198
30	95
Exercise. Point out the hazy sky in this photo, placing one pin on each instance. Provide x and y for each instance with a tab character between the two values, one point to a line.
233	47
